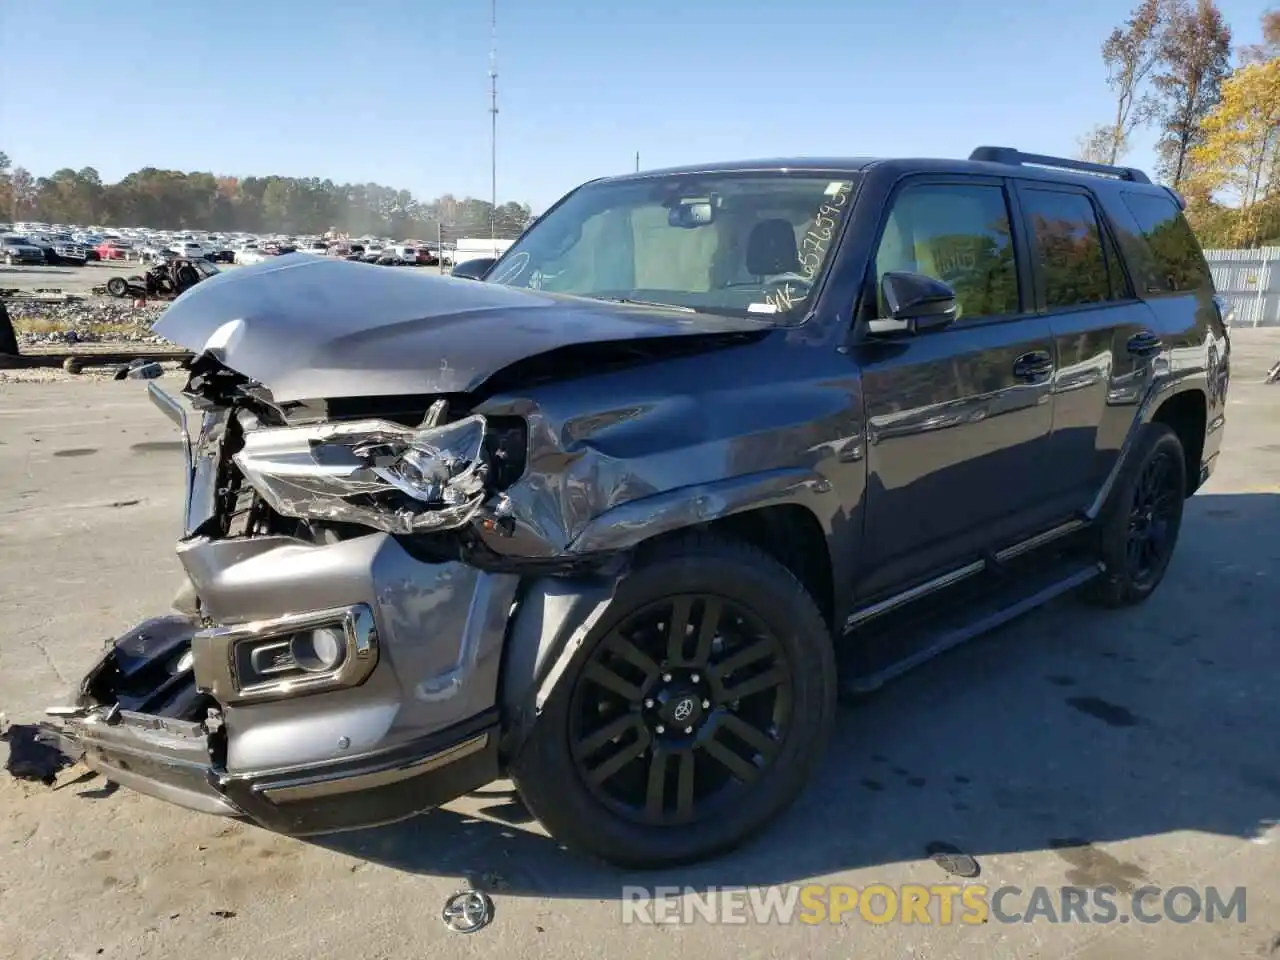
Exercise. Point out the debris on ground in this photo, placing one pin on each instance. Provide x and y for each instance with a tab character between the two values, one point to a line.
467	911
147	370
30	757
50	321
94	373
44	294
953	860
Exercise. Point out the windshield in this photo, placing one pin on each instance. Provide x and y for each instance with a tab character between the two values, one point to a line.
736	243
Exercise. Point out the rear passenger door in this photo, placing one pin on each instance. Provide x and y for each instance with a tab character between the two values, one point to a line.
1103	341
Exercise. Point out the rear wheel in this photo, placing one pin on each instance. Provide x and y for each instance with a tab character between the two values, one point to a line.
1140	524
692	715
118	287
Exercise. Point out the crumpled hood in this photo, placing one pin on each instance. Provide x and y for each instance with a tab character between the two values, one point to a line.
310	327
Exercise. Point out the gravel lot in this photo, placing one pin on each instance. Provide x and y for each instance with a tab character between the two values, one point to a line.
1150	735
86	322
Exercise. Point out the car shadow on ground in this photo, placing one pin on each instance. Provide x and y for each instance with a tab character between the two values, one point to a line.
1071	727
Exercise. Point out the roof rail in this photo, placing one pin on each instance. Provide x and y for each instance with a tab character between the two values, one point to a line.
1015	157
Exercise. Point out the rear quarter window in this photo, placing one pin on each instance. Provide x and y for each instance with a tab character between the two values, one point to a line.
1173	262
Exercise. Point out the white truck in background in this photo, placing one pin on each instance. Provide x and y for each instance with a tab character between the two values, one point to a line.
473	248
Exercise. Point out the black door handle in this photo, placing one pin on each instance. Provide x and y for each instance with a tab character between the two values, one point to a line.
1144	344
1032	367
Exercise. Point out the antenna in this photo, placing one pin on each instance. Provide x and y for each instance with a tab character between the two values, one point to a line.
493	119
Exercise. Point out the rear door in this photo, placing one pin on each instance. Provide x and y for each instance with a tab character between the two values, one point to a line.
957	420
1103	341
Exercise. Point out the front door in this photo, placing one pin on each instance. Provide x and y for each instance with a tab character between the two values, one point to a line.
958	420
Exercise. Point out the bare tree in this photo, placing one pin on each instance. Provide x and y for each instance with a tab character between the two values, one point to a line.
1101	145
1270	45
1130	54
1195	57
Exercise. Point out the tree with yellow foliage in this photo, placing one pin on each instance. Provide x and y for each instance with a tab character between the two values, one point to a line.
1240	150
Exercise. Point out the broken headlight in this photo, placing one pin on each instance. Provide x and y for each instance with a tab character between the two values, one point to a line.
379	474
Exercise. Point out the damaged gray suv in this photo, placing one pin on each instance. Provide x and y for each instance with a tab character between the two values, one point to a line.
620	514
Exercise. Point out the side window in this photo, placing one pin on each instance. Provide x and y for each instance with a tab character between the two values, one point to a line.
1067	244
1175	263
1120	288
959	234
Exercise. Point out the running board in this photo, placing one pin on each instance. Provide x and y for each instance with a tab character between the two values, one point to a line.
901	652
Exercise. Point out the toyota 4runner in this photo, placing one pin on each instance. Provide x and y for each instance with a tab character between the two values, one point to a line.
619	514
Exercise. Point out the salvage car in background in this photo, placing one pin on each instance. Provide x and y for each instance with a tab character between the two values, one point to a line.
117	250
702	447
167	279
20	250
155	253
69	251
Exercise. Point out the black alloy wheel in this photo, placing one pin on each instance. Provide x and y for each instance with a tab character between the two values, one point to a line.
680	707
690	715
1138	528
1153	517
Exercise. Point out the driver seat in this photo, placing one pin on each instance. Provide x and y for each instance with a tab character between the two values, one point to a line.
771	249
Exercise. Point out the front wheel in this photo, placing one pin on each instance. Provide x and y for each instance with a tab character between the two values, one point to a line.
692	714
1138	529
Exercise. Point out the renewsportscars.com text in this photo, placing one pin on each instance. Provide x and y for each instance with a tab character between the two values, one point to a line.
937	904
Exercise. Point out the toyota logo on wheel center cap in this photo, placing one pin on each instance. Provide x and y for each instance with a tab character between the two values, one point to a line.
684	709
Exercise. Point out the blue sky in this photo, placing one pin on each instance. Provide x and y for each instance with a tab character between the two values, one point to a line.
398	93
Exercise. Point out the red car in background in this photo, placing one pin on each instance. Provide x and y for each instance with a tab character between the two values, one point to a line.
115	250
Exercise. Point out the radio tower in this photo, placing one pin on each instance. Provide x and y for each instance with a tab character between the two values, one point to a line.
493	119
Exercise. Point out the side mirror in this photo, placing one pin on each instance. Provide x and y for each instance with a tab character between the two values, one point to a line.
916	304
473	269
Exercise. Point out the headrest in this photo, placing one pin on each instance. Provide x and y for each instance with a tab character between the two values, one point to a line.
771	248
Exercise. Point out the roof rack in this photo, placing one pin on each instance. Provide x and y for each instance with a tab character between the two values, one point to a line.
1014	157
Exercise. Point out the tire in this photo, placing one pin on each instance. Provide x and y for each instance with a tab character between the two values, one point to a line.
118	287
599	819
1145	507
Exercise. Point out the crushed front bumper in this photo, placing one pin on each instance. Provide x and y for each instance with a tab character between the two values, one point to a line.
163	711
174	761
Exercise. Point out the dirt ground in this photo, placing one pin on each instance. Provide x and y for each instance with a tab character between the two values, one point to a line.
1073	747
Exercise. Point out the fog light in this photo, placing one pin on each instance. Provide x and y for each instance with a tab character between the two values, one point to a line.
319	651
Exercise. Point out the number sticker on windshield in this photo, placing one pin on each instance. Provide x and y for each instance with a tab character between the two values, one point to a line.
817	240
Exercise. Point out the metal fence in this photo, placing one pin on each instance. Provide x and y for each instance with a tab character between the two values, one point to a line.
1250	282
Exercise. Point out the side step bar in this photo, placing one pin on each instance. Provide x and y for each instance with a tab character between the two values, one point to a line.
906	652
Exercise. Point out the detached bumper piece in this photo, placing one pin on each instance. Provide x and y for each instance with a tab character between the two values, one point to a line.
163	758
135	723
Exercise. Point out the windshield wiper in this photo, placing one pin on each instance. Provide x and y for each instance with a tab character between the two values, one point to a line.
647	303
